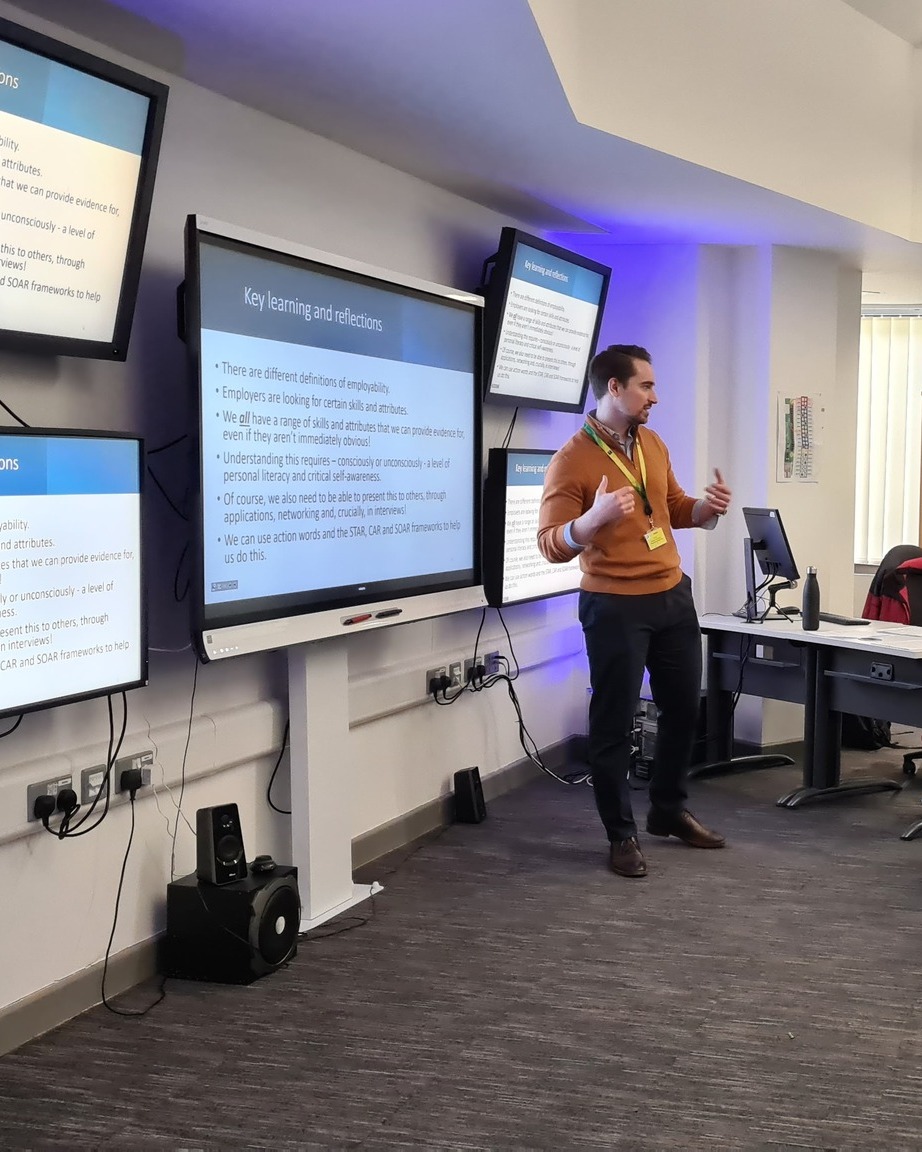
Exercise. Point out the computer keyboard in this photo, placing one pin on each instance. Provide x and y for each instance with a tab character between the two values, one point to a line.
832	618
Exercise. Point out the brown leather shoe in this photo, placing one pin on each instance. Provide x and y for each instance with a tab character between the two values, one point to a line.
627	859
683	826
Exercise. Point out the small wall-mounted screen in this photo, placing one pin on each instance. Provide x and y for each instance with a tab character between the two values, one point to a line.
72	616
513	568
79	140
541	323
339	438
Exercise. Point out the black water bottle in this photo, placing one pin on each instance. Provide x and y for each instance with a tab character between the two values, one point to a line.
810	612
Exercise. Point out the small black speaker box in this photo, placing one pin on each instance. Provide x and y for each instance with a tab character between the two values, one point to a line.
232	933
470	806
219	855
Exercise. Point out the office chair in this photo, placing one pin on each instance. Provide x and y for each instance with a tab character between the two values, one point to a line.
887	601
888	596
896	593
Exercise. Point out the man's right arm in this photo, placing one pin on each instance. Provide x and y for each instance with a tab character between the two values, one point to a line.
561	503
565	525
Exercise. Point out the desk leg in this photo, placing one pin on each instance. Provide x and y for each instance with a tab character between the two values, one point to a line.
719	712
823	747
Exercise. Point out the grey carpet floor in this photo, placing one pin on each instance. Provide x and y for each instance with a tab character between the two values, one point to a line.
506	991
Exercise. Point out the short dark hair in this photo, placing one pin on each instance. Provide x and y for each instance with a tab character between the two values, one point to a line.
617	361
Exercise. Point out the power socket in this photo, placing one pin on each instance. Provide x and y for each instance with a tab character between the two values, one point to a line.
91	778
454	674
45	788
140	760
90	782
434	674
489	662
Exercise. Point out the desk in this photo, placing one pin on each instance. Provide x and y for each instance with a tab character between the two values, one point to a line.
873	670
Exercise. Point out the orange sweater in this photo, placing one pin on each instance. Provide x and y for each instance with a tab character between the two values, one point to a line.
617	559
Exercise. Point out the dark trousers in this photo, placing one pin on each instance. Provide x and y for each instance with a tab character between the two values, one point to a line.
624	635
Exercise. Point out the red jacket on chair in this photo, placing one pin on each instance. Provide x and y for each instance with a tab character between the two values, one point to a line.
887	597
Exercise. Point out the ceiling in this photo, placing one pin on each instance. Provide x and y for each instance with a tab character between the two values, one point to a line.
463	94
901	17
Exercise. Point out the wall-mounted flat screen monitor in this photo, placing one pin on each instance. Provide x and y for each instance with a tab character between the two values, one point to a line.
339	433
72	606
543	310
79	140
513	568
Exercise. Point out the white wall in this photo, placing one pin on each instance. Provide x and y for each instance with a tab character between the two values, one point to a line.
235	164
731	330
653	301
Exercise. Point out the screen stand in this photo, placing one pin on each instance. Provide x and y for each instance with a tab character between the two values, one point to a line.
321	784
749	562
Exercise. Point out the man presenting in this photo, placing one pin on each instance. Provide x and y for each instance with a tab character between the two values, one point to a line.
610	497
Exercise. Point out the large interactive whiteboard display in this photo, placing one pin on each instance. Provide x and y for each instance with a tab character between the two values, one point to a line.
513	568
339	438
79	140
543	311
72	612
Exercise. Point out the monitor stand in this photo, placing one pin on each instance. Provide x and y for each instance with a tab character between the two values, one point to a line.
750	610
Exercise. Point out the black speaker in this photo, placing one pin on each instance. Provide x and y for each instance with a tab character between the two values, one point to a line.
470	806
232	933
219	855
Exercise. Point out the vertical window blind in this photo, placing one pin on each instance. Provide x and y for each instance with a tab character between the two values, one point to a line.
888	462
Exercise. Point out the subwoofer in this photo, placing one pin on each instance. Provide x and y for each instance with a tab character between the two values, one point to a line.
219	855
232	933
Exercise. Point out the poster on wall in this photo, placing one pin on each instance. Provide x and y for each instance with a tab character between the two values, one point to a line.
800	434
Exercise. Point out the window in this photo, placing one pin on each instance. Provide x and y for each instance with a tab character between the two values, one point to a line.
889	443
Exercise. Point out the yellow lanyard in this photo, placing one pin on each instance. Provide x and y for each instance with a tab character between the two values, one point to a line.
641	488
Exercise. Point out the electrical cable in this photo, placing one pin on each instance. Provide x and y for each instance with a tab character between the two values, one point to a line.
529	746
177	595
65	831
166	495
169	444
182	777
15	725
157	763
18	419
508	437
105	964
513	672
738	690
282	811
347	924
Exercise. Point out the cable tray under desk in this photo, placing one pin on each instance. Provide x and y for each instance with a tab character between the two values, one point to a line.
759	660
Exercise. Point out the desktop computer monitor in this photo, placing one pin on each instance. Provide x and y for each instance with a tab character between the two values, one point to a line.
767	544
770	545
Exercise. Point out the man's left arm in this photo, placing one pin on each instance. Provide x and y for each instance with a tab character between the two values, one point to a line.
715	502
687	512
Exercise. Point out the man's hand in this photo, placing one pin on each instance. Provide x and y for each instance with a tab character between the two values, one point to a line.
717	496
607	508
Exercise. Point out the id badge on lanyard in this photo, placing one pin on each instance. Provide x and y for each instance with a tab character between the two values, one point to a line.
656	537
